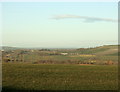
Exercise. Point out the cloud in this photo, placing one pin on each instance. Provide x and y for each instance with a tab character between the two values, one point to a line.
86	18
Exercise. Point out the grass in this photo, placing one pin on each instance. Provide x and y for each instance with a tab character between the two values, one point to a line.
59	77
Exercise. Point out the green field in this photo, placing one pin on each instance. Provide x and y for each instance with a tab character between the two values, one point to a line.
48	69
100	55
59	77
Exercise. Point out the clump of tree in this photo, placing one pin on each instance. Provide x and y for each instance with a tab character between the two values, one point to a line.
44	50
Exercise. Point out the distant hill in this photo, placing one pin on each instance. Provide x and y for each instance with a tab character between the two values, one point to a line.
7	48
110	50
101	50
99	54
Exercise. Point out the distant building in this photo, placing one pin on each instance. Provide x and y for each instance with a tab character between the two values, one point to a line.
32	50
74	53
8	55
2	50
64	53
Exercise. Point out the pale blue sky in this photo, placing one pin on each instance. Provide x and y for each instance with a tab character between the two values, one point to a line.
33	24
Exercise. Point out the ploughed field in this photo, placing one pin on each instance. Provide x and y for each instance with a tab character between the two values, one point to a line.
24	76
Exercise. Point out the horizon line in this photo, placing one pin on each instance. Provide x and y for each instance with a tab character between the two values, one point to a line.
60	47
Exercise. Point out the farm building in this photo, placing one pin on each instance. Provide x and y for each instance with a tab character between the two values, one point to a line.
74	53
64	53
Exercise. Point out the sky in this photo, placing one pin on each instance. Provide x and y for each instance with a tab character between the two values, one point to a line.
59	0
59	24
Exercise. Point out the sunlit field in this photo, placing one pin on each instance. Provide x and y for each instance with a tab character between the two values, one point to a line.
59	77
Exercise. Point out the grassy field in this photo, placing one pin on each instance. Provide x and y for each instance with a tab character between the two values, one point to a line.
100	55
59	77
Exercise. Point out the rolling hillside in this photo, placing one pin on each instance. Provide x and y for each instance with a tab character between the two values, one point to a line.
102	50
100	55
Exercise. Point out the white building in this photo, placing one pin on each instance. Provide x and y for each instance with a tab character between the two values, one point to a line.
64	53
